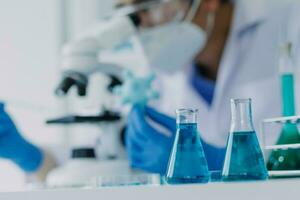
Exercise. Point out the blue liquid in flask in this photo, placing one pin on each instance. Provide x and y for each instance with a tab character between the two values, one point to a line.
187	163
244	159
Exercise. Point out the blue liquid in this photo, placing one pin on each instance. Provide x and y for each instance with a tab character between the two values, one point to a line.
187	163
286	159
244	159
288	97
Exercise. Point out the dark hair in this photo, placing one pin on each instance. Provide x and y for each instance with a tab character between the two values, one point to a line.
225	1
143	1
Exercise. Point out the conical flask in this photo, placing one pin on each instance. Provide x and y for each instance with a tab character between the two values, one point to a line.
244	159
286	159
187	163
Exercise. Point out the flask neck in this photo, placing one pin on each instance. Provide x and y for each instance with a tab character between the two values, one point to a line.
286	65
241	115
186	116
285	61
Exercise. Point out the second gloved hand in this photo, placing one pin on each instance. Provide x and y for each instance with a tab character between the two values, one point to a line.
148	148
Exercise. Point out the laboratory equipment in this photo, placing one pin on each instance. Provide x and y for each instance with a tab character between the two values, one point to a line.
136	90
83	168
82	69
187	161
105	128
286	159
80	56
96	147
136	179
271	128
157	8
244	159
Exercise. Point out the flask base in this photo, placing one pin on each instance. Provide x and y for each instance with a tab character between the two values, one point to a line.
187	180
245	177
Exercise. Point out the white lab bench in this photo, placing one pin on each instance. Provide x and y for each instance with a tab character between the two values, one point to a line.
285	189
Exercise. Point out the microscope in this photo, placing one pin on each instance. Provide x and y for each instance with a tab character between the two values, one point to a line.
81	61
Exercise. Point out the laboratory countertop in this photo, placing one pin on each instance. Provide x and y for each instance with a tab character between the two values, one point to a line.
273	189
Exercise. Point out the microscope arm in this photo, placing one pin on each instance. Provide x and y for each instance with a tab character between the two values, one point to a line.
80	58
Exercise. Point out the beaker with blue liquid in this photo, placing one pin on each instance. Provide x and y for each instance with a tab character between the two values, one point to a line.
244	159
187	163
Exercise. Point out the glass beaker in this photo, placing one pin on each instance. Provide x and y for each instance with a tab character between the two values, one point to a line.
187	163
244	158
286	159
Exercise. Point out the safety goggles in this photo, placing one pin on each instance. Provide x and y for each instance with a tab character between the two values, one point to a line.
151	13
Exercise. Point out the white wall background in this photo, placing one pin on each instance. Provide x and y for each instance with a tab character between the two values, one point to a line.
83	13
31	34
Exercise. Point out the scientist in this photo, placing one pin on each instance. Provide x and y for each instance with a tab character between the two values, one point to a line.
237	44
238	60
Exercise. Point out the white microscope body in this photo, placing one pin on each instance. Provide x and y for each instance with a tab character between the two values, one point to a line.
80	60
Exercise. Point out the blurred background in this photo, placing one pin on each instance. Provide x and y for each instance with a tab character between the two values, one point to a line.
29	65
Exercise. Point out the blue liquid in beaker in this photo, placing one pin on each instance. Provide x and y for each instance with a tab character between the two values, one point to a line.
244	159
187	163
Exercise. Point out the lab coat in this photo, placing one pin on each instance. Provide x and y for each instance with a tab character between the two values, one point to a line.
249	69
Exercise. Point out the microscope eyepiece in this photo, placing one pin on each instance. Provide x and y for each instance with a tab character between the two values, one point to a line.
73	80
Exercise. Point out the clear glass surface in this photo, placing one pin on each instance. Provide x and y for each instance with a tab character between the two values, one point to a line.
129	180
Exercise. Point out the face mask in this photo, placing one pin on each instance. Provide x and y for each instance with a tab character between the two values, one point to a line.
171	47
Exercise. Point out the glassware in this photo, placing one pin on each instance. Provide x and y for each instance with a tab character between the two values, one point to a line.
244	158
290	149
187	162
283	159
129	180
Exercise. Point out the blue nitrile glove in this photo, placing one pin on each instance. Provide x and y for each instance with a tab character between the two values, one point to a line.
215	156
148	149
15	148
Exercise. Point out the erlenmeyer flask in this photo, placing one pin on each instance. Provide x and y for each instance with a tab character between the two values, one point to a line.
187	162
244	159
286	159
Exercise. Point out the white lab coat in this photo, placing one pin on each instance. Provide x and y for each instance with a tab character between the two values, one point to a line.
248	69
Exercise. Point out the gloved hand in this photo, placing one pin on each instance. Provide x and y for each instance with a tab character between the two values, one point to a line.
149	149
15	148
